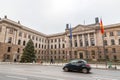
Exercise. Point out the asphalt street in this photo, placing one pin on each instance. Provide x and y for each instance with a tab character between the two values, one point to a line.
50	72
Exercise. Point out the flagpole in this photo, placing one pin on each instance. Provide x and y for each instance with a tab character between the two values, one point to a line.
86	52
102	32
104	51
70	41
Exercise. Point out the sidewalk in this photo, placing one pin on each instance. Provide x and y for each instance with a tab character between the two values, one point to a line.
97	66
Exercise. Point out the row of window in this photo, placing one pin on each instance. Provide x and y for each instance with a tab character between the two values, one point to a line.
63	45
86	42
25	35
111	34
112	42
113	50
9	49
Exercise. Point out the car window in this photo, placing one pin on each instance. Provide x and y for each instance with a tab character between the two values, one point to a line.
80	62
74	63
77	61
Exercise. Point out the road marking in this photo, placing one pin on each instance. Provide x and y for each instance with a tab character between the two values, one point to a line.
17	77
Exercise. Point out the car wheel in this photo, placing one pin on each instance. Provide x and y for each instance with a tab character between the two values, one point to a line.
66	69
84	70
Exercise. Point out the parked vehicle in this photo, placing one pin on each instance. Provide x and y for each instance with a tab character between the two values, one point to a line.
77	65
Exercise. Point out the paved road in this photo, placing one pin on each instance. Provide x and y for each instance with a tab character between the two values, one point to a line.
42	72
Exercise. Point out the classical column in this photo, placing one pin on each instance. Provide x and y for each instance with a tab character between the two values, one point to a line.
89	42
78	41
95	37
73	45
83	40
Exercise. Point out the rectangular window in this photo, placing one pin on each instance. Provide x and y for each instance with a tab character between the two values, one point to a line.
36	38
10	40
75	43
113	50
18	50
118	33
51	41
86	36
81	43
92	42
43	40
9	49
105	35
25	35
105	42
115	57
39	39
86	43
55	40
32	37
29	36
106	50
111	34
20	34
112	42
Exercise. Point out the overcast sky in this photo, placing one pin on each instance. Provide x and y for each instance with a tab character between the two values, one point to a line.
51	16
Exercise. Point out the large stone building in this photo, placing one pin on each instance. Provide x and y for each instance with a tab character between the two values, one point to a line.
87	42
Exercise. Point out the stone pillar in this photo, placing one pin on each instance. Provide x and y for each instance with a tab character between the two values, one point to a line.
95	38
78	42
89	42
83	39
73	45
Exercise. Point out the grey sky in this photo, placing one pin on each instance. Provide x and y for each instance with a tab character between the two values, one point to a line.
51	16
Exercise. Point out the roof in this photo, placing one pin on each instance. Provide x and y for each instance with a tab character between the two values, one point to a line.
21	26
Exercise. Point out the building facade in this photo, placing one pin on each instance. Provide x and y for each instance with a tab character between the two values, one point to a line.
87	42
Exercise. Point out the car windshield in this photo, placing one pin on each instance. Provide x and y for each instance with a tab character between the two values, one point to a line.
76	61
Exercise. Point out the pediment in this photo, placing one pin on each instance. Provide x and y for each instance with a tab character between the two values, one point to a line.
78	28
83	28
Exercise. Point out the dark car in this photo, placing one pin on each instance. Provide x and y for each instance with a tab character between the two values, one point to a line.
77	65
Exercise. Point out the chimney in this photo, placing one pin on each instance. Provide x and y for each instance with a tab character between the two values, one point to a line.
96	20
67	27
5	17
18	22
